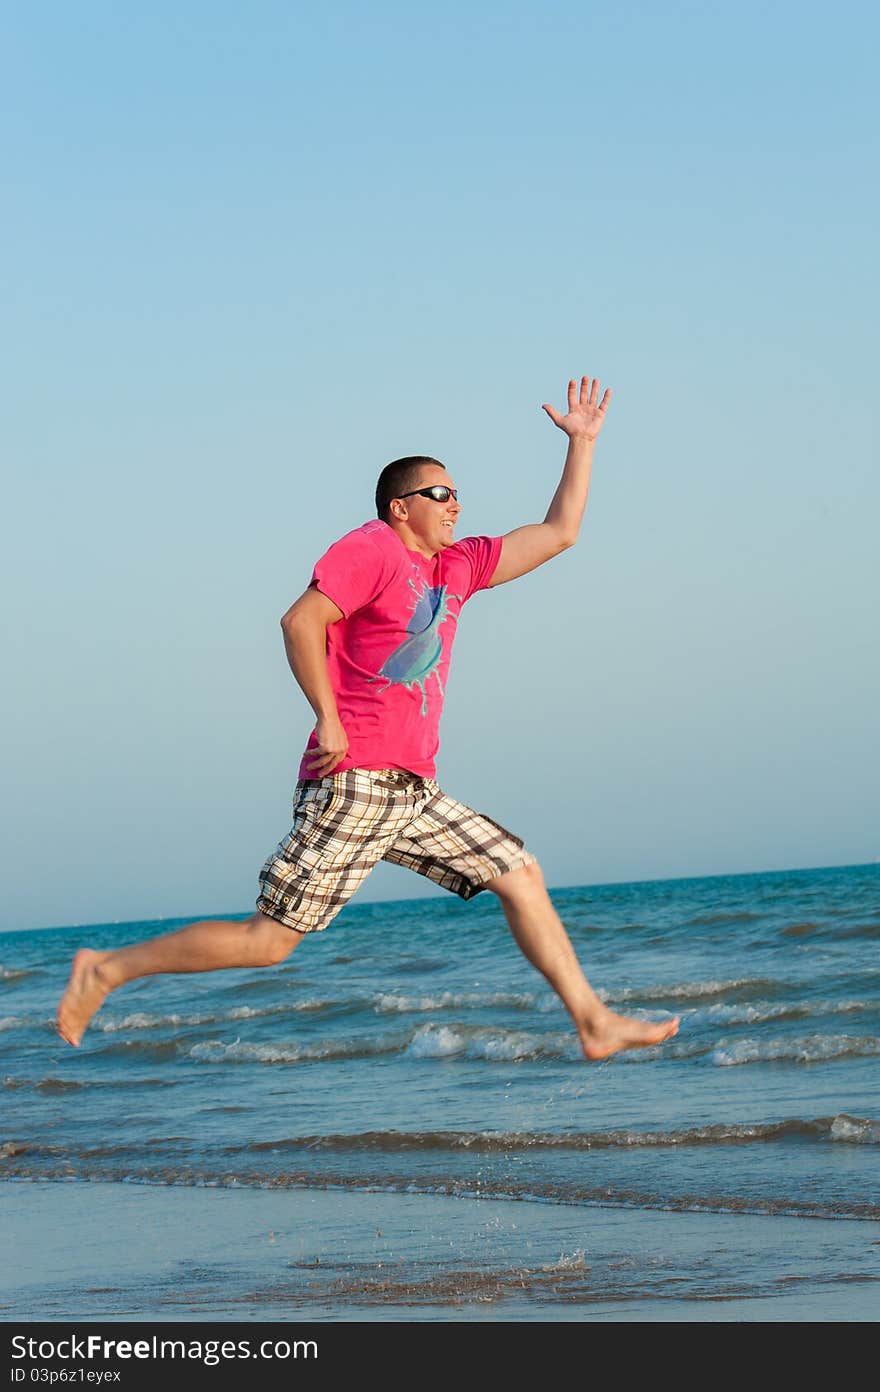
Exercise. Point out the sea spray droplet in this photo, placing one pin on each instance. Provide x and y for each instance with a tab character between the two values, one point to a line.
571	1261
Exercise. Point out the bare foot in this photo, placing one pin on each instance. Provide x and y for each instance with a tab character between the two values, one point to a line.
85	991
612	1033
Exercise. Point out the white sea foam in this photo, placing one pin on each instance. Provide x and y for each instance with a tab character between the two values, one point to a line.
215	1051
855	1129
747	1013
750	1012
550	1004
390	1002
253	1012
8	1022
312	1003
139	1020
433	1041
503	1047
685	990
490	1045
815	1048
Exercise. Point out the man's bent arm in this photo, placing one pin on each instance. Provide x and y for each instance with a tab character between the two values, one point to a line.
528	547
305	642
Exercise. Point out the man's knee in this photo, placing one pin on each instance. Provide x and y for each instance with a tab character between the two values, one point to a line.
526	879
272	940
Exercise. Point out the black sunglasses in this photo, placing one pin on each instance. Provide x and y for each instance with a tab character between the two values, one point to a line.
438	491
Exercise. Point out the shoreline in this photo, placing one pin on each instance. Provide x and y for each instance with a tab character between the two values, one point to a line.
237	1254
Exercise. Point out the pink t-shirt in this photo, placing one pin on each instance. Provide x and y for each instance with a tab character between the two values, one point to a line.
388	658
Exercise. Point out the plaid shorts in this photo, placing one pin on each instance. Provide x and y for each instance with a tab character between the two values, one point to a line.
345	823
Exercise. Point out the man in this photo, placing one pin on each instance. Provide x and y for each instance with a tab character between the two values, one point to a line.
369	644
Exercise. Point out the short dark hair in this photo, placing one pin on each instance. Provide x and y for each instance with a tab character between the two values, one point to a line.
399	477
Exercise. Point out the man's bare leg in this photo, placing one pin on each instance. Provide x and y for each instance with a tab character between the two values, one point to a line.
541	938
209	945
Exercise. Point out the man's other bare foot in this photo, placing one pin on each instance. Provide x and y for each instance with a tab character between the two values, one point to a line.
85	991
612	1033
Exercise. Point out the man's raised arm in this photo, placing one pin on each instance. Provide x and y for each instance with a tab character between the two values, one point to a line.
528	547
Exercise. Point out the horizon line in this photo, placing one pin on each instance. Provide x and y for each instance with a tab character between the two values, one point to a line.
440	895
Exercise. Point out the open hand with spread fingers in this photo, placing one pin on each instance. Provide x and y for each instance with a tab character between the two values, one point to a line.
585	411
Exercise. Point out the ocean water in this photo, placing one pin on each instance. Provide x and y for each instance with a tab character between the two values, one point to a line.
411	1050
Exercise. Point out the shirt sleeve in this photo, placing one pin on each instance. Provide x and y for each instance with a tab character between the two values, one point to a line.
481	556
352	572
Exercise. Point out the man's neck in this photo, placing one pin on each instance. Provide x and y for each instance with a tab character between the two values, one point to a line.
411	541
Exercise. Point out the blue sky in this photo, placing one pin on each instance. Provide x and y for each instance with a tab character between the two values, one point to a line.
255	252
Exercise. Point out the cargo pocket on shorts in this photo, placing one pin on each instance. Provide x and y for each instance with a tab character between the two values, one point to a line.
298	859
310	805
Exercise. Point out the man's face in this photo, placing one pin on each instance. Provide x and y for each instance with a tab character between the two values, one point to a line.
432	522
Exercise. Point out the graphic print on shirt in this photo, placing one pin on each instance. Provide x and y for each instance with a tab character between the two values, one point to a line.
418	658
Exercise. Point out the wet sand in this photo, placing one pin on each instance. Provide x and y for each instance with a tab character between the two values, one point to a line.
105	1251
